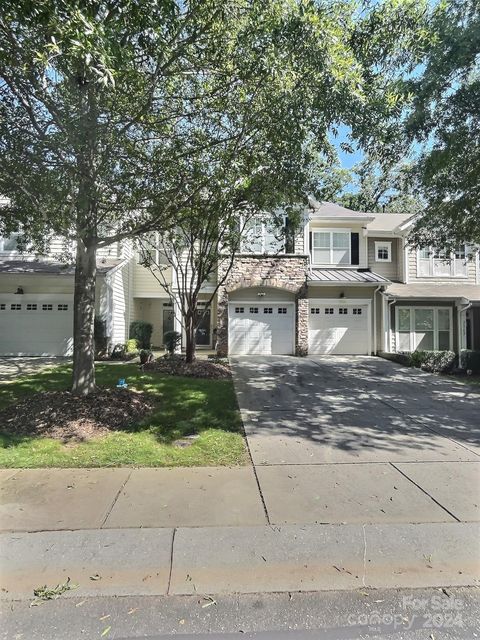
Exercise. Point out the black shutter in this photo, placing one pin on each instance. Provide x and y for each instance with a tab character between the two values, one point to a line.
310	241
354	246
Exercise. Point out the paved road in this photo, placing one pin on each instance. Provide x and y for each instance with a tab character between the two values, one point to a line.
358	439
399	614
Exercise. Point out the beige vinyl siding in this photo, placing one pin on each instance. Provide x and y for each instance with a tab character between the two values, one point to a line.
146	285
35	283
471	277
151	310
334	292
390	270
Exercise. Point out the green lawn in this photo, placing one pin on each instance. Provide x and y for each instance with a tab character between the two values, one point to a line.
185	406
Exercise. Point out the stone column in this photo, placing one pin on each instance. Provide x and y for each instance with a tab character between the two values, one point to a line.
222	322
301	346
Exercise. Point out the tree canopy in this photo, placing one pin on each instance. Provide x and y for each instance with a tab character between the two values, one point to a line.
444	119
115	114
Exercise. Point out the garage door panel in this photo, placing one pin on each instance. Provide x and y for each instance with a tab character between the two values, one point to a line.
338	329
36	326
261	329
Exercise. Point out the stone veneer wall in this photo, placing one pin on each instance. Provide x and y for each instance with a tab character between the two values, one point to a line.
286	272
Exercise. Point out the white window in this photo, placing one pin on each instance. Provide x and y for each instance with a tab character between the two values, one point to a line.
329	311
253	309
3	306
315	311
331	247
47	307
357	311
239	309
282	310
62	307
267	310
383	251
424	328
15	307
343	311
9	245
439	263
31	307
261	235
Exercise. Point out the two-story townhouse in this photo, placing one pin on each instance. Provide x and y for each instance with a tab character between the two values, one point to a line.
348	283
36	297
351	285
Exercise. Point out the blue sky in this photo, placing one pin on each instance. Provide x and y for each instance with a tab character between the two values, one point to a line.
347	160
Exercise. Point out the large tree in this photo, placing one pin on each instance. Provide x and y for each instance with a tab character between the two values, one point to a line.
377	187
444	119
108	109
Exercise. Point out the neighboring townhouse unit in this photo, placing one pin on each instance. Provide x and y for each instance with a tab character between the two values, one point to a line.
349	284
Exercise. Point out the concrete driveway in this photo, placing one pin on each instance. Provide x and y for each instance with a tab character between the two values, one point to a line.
359	439
11	368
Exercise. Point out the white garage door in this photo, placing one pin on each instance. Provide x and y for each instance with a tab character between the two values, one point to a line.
261	329
338	328
33	325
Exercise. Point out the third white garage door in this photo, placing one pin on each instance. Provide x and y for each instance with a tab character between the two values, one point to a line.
339	329
261	329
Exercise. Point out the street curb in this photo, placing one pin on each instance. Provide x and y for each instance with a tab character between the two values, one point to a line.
220	560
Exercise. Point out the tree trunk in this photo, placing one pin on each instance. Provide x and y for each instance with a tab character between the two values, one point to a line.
190	339
83	381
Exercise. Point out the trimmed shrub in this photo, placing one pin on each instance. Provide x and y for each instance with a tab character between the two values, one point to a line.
399	357
433	361
171	340
142	332
146	356
131	346
470	360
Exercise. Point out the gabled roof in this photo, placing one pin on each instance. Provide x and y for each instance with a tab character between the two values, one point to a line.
327	210
32	267
342	276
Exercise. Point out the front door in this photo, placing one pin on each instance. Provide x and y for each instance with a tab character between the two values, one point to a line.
168	320
202	335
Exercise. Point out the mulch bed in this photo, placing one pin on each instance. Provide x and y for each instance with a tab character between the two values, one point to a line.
177	366
69	418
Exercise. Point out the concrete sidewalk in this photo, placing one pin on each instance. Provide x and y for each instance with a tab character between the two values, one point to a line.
219	560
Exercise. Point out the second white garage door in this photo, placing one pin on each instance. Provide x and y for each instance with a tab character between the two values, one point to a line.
339	329
261	329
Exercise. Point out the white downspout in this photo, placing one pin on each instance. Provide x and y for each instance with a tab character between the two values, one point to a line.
379	288
388	337
460	328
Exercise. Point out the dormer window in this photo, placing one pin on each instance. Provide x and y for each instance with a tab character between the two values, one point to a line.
383	251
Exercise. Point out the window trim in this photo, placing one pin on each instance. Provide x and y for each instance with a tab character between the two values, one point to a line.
331	231
3	251
382	245
263	221
412	326
450	258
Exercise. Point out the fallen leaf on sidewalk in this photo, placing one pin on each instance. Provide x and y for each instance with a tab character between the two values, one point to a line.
96	577
208	604
51	593
80	604
105	617
105	631
129	613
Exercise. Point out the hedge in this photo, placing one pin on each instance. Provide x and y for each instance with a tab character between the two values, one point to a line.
142	332
470	361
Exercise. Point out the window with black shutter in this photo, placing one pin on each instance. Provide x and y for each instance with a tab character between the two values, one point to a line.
355	248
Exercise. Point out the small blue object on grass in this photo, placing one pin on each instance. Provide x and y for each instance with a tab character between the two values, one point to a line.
122	384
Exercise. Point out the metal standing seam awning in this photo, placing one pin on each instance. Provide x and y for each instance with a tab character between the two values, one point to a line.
345	276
